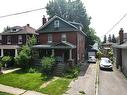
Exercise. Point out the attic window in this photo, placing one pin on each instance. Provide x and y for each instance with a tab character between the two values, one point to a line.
56	23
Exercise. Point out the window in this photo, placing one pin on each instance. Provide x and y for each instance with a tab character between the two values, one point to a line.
8	39
63	38
0	39
56	23
49	38
20	39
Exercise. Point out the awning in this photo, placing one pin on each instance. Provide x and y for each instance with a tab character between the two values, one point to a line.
9	46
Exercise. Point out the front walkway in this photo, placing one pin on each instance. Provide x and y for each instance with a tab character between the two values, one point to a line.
85	82
17	91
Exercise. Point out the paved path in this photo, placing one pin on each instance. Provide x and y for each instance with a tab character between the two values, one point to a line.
85	82
112	83
17	91
10	70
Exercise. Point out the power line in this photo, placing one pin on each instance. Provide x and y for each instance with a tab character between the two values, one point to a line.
116	24
21	12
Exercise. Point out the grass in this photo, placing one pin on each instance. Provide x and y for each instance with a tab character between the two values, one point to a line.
20	79
3	93
33	81
56	87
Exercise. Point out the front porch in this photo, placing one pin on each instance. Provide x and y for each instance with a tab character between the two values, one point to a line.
63	52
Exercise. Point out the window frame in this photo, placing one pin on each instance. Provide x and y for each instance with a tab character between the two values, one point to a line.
56	24
49	38
20	39
64	37
8	39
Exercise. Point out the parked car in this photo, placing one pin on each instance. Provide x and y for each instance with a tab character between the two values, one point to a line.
105	63
92	59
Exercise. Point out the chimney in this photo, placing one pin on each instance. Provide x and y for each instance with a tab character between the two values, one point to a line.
121	35
28	25
44	20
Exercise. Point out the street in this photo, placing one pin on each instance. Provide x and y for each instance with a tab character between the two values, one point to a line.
112	83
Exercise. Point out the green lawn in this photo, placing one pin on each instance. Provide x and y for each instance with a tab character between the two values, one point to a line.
56	87
2	93
33	81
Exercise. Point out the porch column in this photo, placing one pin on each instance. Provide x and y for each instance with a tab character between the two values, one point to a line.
70	54
16	52
2	52
53	52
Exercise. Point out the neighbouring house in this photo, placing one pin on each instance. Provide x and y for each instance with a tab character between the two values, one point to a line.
12	38
120	53
63	39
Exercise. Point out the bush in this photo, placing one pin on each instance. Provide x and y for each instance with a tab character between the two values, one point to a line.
32	70
47	65
99	54
24	57
72	72
5	60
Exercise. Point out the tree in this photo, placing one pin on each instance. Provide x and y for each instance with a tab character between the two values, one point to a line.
25	54
7	28
113	38
92	38
105	38
72	11
109	38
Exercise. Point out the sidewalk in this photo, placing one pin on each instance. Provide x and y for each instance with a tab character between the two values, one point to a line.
17	91
85	81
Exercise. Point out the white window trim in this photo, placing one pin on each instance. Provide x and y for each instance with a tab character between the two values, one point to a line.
56	23
19	38
49	38
8	38
64	36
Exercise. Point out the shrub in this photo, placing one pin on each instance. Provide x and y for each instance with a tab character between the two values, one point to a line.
32	70
99	54
47	65
72	72
5	60
23	59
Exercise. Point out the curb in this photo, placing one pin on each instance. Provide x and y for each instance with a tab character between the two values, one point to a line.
97	78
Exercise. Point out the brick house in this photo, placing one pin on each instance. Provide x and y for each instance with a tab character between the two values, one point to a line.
13	38
62	39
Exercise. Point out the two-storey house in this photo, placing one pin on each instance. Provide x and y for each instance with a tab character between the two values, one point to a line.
12	38
62	39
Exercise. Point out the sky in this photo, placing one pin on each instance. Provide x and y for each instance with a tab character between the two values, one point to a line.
104	13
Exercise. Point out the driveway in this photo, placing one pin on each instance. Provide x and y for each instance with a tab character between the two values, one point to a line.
85	82
112	83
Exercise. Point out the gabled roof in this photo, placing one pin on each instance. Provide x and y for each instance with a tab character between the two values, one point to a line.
68	23
19	30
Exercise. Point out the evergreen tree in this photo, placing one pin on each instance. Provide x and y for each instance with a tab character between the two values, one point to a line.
109	38
113	38
105	38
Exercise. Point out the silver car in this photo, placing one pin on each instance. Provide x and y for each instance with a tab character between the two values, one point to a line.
105	63
92	59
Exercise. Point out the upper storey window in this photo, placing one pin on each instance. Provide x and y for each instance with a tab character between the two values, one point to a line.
20	39
49	38
0	39
64	38
56	24
8	39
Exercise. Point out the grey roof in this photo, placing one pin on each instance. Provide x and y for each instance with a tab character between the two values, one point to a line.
9	46
20	30
124	45
69	23
61	45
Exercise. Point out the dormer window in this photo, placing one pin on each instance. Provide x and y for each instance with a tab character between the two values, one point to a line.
63	37
20	39
8	39
56	23
49	38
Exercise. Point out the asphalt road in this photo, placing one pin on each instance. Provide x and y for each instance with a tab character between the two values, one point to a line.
112	83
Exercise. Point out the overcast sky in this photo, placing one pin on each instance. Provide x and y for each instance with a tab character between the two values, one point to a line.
104	13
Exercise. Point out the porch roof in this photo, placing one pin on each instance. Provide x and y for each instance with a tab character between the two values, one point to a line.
61	45
9	46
